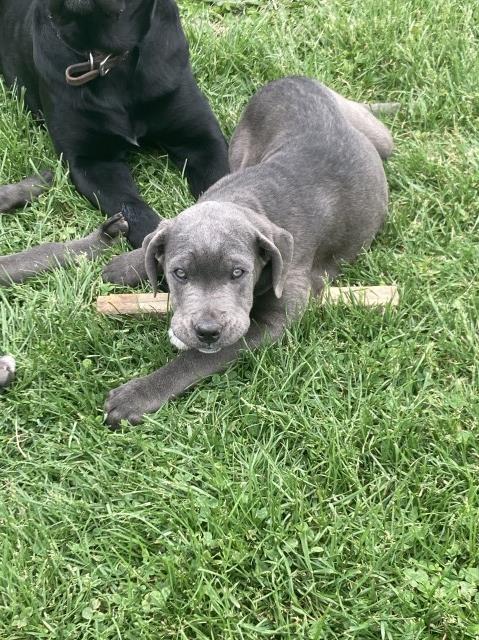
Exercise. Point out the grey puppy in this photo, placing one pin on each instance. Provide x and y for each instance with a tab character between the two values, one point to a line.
307	192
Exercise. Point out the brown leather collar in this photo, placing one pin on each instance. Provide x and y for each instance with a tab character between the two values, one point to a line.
97	66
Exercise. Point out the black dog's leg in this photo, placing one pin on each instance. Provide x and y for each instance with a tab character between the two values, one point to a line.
193	139
110	186
16	195
203	161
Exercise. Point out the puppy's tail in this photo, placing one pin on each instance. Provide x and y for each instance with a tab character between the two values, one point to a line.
16	195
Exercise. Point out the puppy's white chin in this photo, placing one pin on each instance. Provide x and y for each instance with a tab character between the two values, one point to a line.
176	342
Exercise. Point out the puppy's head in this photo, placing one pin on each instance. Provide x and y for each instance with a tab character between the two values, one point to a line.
213	256
110	26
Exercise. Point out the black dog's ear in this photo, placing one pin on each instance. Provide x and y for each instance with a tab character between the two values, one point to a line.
276	245
154	247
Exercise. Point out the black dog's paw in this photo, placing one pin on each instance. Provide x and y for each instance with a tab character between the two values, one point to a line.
7	371
115	226
141	220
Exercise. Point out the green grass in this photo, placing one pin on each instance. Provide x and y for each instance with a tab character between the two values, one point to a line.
326	487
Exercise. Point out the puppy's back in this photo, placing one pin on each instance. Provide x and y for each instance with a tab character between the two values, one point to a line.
279	112
297	106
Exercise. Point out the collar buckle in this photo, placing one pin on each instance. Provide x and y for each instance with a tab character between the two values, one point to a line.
97	66
102	67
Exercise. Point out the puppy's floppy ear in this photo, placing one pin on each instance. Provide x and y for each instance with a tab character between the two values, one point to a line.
276	246
154	246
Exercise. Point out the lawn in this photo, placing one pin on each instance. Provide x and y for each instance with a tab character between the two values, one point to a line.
327	487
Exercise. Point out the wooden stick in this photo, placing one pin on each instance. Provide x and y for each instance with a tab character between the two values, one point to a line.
364	296
146	303
133	304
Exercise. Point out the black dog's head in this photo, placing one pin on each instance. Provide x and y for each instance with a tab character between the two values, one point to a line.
112	26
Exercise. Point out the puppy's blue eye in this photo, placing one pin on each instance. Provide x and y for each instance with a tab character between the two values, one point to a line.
180	274
237	273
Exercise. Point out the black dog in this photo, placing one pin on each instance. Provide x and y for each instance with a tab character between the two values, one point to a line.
108	76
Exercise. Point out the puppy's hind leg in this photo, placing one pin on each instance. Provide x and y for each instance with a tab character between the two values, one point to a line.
18	267
16	195
362	117
321	275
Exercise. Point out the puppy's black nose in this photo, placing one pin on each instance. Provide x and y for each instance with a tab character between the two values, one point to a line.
208	332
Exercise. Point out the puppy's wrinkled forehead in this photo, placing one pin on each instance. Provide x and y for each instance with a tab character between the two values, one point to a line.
209	235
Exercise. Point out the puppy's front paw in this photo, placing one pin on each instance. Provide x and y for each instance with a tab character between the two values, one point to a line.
127	269
129	402
115	226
